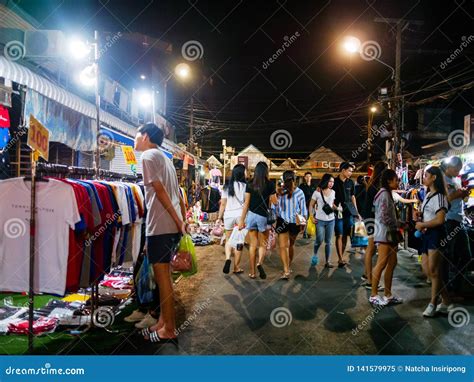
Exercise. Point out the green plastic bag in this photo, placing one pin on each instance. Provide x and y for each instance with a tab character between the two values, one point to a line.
186	245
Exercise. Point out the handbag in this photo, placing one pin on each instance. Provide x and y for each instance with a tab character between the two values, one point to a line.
326	207
271	214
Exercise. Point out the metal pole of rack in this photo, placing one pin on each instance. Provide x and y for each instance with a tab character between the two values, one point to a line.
31	292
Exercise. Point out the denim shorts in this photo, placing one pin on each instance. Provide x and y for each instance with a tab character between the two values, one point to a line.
344	226
256	222
432	239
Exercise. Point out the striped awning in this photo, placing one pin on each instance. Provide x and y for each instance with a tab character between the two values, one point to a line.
24	76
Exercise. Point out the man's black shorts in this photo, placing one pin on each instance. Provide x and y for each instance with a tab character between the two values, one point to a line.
160	248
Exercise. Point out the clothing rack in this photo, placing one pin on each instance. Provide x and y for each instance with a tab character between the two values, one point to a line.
42	170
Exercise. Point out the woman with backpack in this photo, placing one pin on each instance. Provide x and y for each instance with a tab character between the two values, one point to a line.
323	217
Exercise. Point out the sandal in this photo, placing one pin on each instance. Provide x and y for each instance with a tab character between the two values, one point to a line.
155	338
285	276
238	271
226	266
341	264
252	275
261	271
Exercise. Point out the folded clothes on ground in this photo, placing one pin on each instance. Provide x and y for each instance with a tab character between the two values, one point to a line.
201	239
42	325
10	314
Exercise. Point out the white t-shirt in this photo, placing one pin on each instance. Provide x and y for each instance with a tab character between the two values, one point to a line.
320	214
396	197
158	167
432	204
56	212
235	203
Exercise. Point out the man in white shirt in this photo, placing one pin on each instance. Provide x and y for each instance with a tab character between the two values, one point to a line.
165	223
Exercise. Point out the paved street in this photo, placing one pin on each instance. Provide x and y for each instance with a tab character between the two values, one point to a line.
316	312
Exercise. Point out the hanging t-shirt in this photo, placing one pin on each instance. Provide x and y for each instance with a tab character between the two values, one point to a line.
57	212
235	203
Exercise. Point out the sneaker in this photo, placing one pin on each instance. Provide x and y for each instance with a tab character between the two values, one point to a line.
377	300
430	311
314	260
136	316
444	309
393	300
147	321
363	277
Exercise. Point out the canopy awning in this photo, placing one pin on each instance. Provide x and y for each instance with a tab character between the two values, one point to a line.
24	76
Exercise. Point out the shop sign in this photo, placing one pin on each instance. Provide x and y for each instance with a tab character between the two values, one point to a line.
325	164
38	138
129	155
243	160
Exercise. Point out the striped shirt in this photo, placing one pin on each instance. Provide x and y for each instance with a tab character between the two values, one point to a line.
288	208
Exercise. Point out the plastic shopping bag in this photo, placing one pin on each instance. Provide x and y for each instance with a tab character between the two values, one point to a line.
186	248
311	228
360	230
359	241
145	282
237	238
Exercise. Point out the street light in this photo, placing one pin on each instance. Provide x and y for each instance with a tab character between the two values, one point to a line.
146	99
351	44
78	48
372	110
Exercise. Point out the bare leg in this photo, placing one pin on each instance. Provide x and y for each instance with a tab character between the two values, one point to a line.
392	263
253	236
384	251
291	250
167	316
262	246
284	242
369	254
228	248
437	283
339	247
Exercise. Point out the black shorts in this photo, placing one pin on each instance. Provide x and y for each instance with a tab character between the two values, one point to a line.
284	227
160	248
433	238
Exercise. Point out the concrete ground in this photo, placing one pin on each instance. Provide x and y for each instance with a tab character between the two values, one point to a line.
319	311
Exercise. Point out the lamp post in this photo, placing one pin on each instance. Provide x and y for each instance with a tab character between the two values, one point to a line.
372	110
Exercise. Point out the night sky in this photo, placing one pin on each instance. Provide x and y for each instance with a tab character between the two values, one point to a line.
313	90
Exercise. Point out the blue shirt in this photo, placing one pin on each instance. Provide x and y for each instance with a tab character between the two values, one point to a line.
456	210
288	208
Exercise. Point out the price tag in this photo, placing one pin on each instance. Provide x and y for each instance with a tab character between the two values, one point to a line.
129	155
38	137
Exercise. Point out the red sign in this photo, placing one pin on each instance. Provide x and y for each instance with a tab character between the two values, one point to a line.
243	160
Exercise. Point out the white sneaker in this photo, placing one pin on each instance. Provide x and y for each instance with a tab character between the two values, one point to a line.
136	316
430	311
444	309
377	300
147	321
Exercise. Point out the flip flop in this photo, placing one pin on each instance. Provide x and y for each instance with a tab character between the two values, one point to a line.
261	271
157	339
285	276
252	275
226	267
238	271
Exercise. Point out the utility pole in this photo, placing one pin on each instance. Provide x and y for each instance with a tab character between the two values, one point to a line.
401	25
191	126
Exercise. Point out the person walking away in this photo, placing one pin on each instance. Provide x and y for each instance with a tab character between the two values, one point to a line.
260	195
368	214
291	220
165	223
432	226
324	218
345	199
308	189
232	204
387	236
458	253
